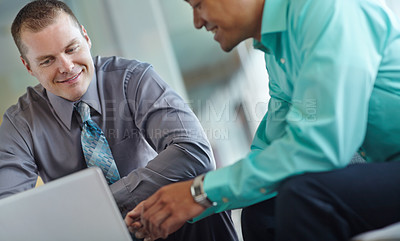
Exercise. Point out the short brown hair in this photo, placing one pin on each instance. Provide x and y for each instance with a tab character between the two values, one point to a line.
37	15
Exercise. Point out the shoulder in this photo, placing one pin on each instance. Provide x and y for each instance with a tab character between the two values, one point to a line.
116	72
115	63
29	104
315	9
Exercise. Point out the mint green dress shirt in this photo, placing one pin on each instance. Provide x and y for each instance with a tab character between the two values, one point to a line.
334	82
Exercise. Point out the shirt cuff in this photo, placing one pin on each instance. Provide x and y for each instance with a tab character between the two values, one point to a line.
122	196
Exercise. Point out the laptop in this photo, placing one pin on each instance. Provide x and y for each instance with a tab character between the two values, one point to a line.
77	207
388	233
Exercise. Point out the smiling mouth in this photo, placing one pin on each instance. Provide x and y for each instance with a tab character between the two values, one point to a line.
213	31
72	79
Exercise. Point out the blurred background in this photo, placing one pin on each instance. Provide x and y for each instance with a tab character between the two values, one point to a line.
227	91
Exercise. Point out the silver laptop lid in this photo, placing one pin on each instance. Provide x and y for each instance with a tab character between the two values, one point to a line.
76	207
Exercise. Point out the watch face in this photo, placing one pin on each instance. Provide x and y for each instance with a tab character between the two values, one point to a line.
198	193
197	190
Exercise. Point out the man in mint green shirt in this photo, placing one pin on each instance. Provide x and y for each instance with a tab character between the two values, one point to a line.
334	82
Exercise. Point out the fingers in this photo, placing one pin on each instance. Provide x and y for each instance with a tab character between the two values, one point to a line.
153	217
129	220
141	233
136	223
134	214
164	212
132	220
135	227
169	210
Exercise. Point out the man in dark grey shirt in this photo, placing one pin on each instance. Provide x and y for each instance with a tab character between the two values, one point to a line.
154	137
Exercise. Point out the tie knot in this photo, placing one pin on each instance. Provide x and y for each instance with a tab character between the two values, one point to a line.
84	111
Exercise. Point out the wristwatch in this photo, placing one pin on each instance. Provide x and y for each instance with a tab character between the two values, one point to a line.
198	193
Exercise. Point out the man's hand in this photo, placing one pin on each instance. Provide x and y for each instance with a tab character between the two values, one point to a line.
164	212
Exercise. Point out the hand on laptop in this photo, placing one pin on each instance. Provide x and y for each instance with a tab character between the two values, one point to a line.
164	212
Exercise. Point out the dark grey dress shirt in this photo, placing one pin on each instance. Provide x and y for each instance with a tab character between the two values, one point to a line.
154	136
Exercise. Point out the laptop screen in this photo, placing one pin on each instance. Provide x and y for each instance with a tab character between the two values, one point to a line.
79	206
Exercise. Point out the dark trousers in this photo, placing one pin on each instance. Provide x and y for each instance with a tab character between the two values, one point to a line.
217	227
334	205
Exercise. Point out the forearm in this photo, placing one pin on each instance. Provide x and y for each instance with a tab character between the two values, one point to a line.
177	162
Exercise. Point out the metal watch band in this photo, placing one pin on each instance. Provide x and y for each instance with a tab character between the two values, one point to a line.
198	193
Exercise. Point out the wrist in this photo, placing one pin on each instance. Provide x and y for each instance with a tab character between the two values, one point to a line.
198	193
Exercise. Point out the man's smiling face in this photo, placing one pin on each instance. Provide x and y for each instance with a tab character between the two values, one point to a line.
231	21
59	57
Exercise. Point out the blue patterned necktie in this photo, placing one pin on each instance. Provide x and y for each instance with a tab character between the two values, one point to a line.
95	146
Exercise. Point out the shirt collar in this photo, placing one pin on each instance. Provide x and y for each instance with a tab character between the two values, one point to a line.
64	108
274	20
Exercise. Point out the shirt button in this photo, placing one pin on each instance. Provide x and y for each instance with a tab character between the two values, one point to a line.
263	190
283	60
225	200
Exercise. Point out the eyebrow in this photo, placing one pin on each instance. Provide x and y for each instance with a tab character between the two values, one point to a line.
41	58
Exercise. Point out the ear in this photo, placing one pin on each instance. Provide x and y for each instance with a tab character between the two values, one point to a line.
86	36
26	64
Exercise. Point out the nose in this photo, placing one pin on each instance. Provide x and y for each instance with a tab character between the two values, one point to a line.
65	64
197	20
